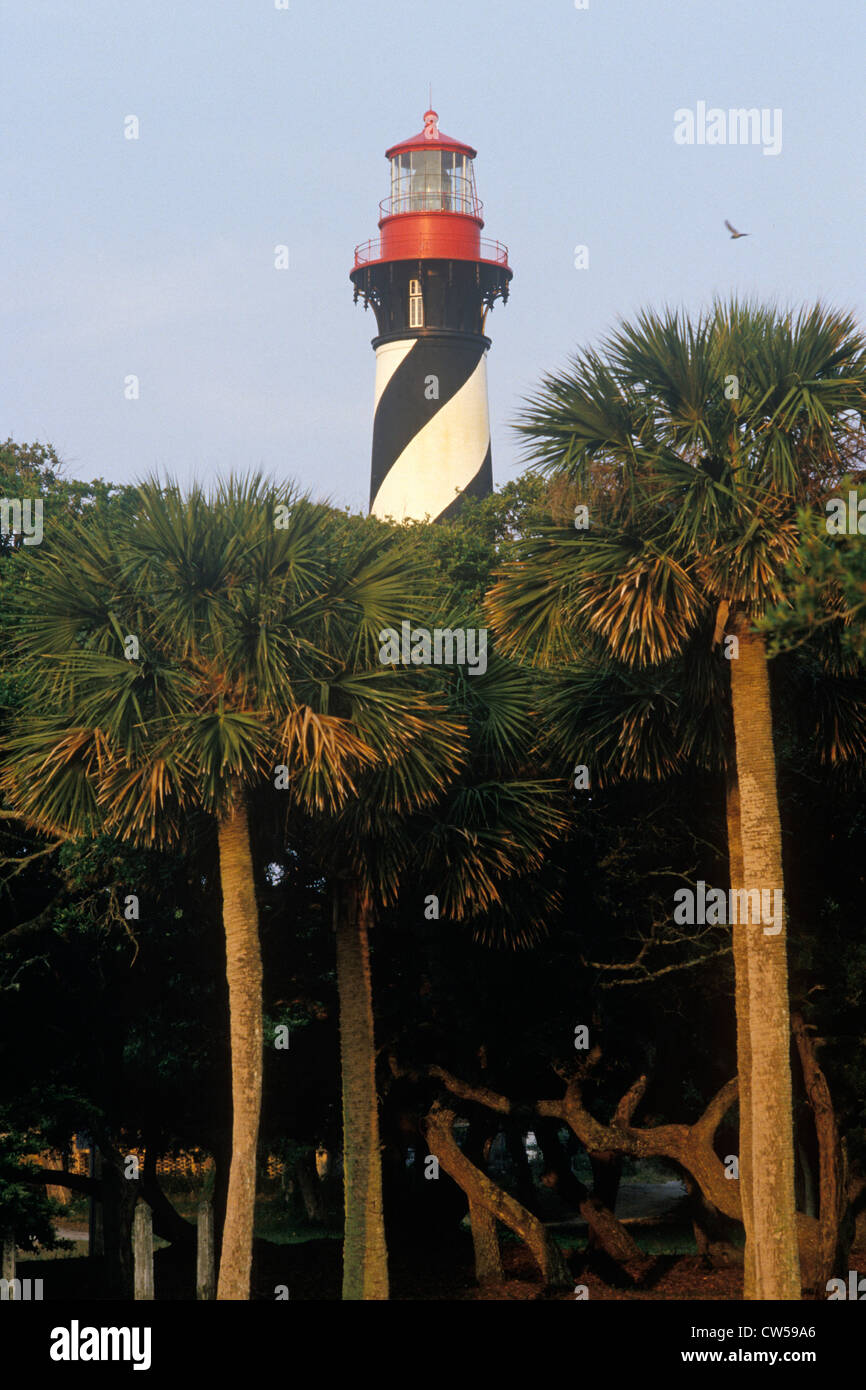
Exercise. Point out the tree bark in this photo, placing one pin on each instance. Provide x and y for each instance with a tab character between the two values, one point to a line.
75	1182
691	1146
142	1245
485	1243
365	1256
95	1215
606	1164
167	1221
773	1207
744	1047
244	976
832	1200
483	1191
606	1231
222	1157
205	1281
119	1198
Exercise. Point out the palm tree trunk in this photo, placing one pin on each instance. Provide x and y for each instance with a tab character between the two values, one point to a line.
777	1270
744	1048
244	976
365	1256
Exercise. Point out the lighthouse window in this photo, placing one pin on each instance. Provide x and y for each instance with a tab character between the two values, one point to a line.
416	305
432	181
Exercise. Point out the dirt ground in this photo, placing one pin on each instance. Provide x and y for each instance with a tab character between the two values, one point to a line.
312	1272
449	1276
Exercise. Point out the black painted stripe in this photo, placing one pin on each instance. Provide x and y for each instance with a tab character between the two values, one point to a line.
403	409
479	486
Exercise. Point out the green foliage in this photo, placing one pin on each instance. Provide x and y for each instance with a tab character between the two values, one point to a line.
826	588
462	554
254	617
35	471
26	1212
692	443
465	794
476	831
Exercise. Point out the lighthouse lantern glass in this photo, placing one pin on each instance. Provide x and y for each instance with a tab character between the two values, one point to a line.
433	181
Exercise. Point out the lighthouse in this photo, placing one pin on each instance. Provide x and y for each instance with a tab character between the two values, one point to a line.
431	279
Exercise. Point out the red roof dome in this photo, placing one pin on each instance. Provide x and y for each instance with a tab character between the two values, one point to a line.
431	138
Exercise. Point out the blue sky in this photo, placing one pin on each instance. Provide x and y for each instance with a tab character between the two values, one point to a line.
260	126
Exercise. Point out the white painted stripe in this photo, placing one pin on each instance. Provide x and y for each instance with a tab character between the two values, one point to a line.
388	359
441	458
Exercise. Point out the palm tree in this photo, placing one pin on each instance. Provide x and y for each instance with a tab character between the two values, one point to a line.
692	444
459	811
178	662
419	746
630	724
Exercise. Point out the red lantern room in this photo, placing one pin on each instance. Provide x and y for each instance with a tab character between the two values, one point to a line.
433	211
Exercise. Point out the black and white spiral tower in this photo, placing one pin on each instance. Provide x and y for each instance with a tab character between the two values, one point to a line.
431	280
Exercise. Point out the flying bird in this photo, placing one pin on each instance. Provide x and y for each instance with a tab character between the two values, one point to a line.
733	231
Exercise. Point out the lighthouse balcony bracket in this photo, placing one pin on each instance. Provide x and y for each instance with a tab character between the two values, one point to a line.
449	295
489	253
